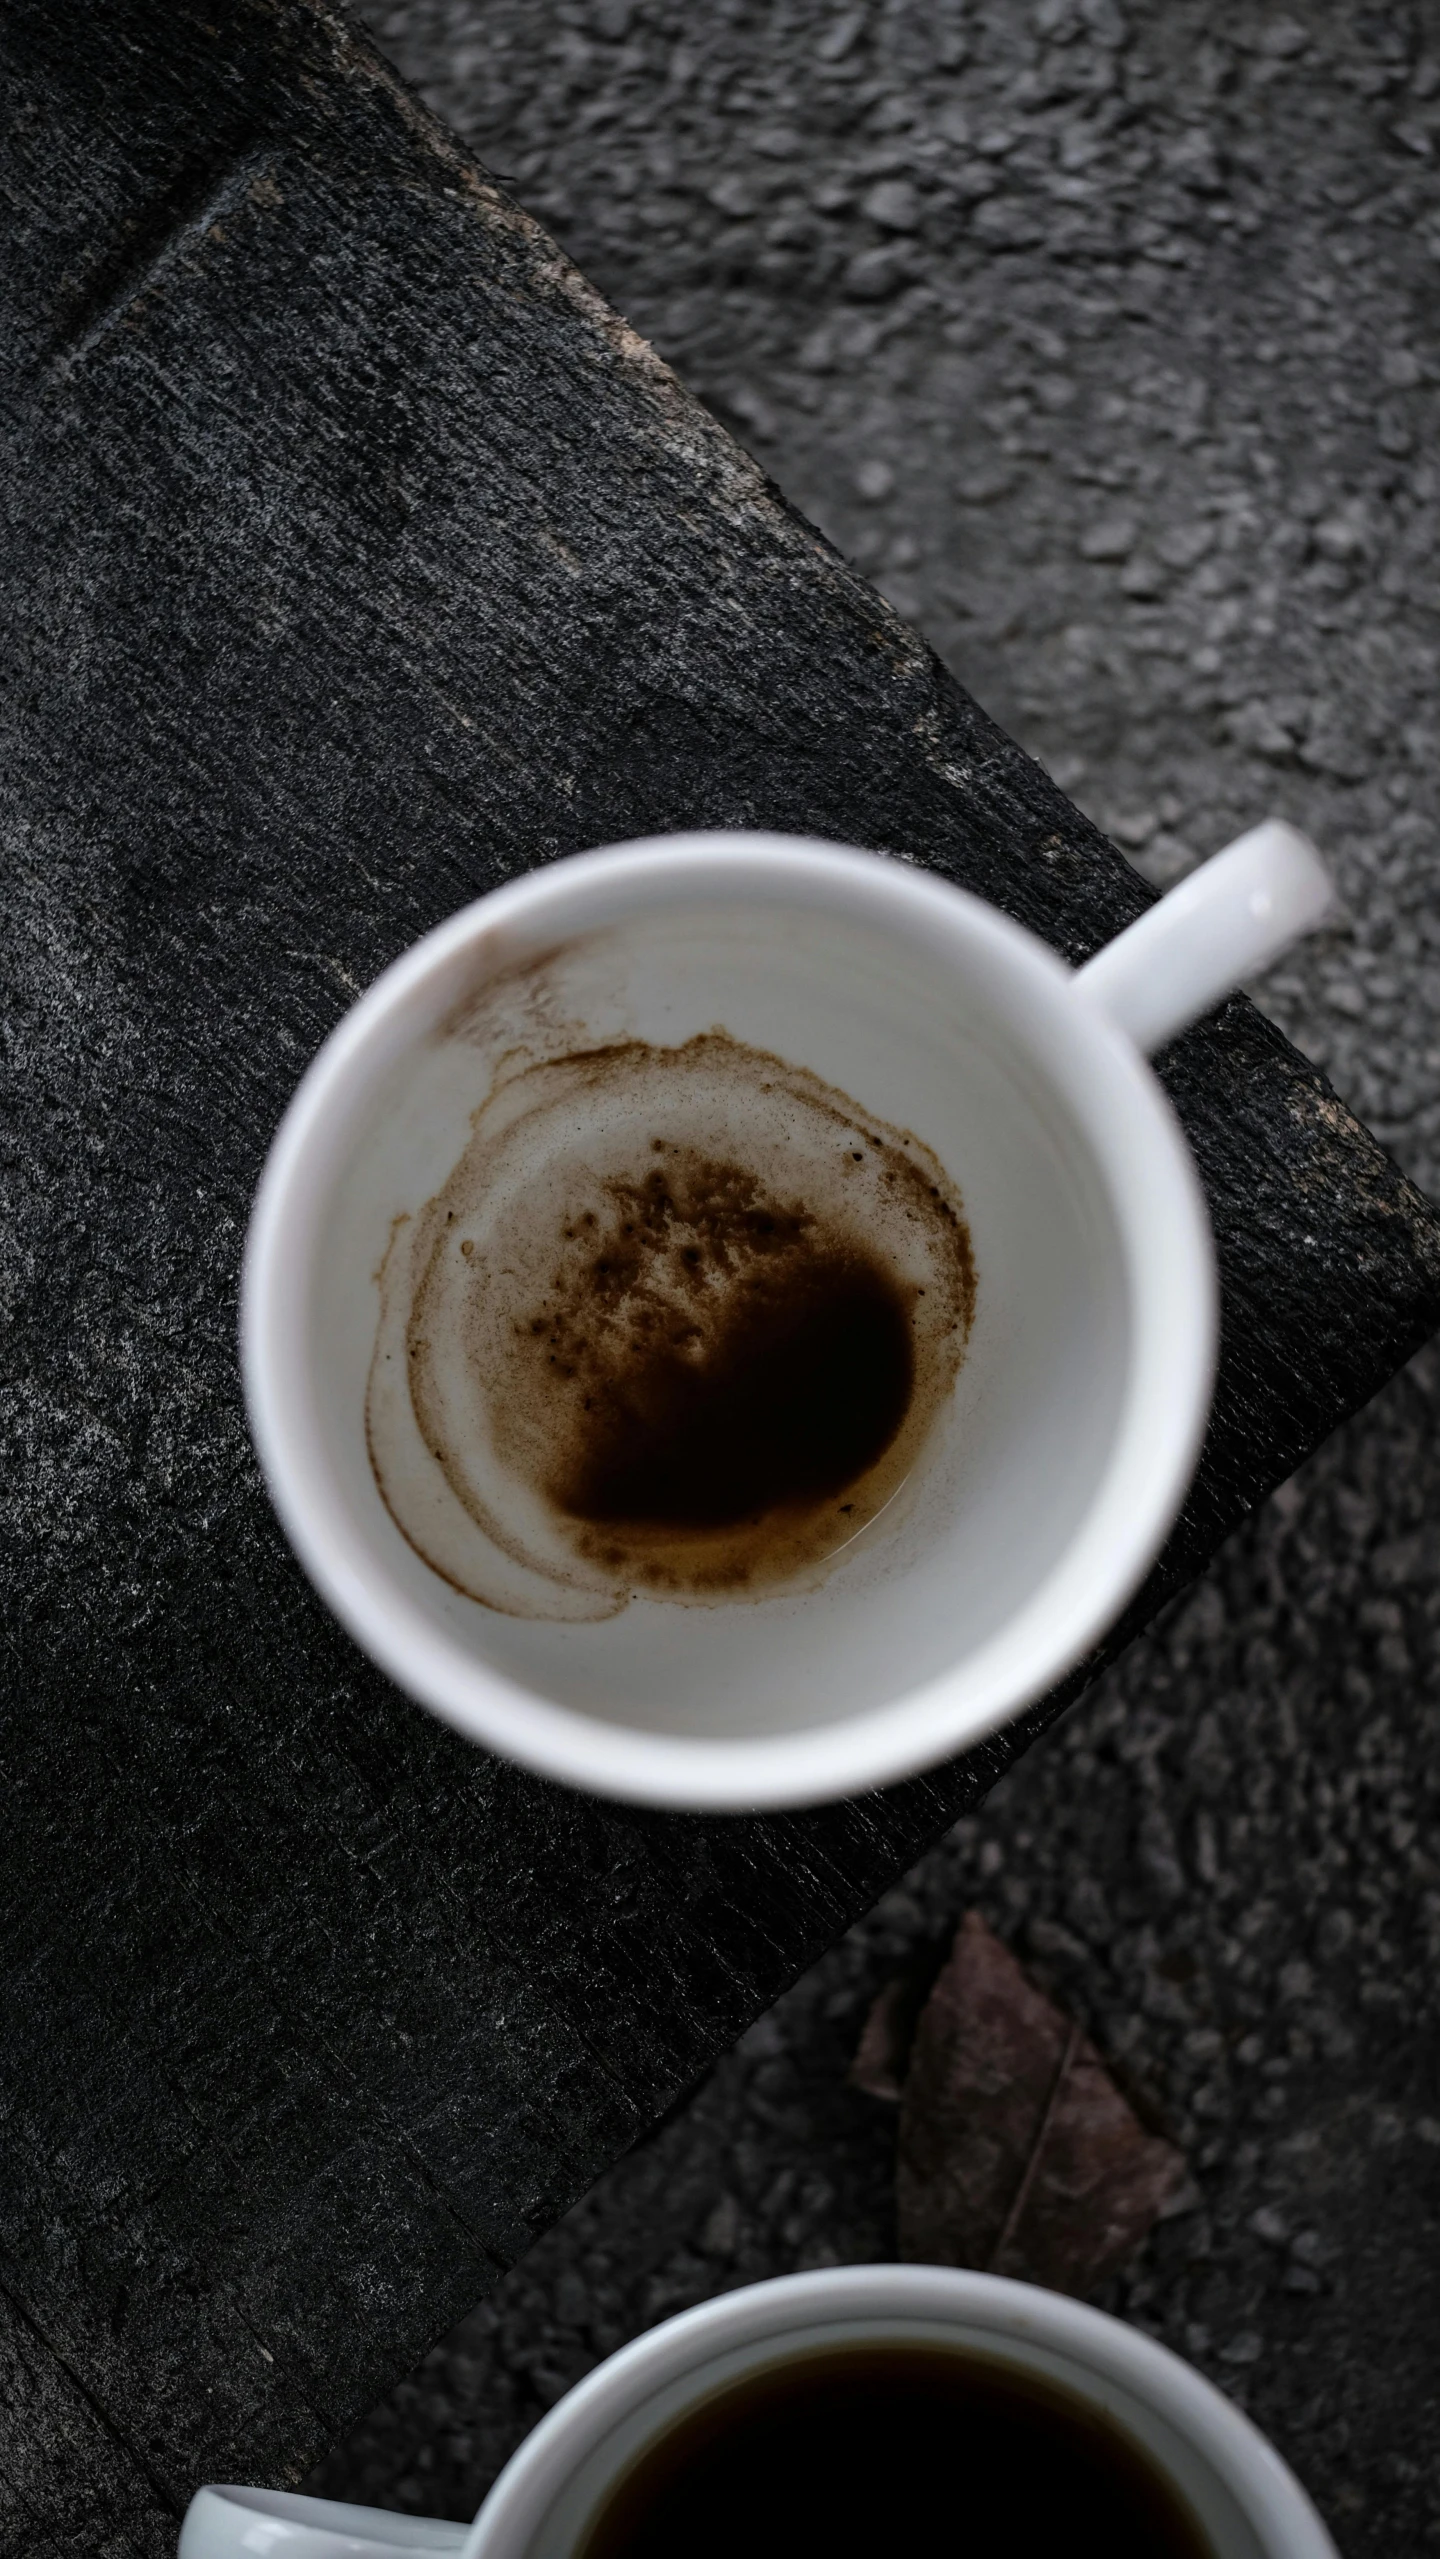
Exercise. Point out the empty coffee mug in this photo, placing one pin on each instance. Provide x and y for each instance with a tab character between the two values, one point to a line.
1234	2495
852	1020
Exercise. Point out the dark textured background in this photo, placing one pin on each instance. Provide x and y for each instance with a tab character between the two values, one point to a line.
355	555
1107	339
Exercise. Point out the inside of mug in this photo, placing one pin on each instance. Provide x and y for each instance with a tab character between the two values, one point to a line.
931	1040
603	2452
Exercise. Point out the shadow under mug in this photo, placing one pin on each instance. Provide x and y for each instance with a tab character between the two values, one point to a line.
1075	1423
1247	2504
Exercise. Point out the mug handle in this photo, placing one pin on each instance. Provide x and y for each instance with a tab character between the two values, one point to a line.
1224	923
268	2523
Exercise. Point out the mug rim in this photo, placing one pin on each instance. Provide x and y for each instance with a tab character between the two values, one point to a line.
1143	1162
1107	2349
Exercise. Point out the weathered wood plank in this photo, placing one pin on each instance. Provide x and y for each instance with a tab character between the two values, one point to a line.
69	2488
355	557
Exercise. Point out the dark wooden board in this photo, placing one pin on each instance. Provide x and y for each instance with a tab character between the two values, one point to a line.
355	556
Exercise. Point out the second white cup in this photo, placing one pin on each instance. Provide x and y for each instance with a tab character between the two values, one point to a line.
1244	2502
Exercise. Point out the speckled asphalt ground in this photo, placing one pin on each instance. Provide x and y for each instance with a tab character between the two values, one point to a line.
1107	340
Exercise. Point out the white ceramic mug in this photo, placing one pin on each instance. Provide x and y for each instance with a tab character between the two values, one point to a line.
1246	2502
1074	1427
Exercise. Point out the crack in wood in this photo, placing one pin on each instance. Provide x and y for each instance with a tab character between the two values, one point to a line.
25	2318
187	210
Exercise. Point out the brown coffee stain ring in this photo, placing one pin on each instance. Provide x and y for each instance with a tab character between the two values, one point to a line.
680	1321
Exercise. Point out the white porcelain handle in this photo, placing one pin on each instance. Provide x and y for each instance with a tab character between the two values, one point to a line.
267	2523
1224	923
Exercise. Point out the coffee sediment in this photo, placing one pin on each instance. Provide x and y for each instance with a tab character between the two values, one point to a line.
679	1322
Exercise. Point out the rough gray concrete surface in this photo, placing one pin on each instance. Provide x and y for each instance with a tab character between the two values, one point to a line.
1106	340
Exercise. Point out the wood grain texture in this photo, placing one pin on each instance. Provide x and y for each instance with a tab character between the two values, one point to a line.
356	557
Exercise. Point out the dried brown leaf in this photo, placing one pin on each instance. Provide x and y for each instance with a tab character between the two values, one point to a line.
1017	2151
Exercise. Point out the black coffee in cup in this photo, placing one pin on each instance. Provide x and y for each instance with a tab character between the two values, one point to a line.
894	2452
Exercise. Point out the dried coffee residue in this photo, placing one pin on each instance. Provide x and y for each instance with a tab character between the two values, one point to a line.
736	1357
680	1321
